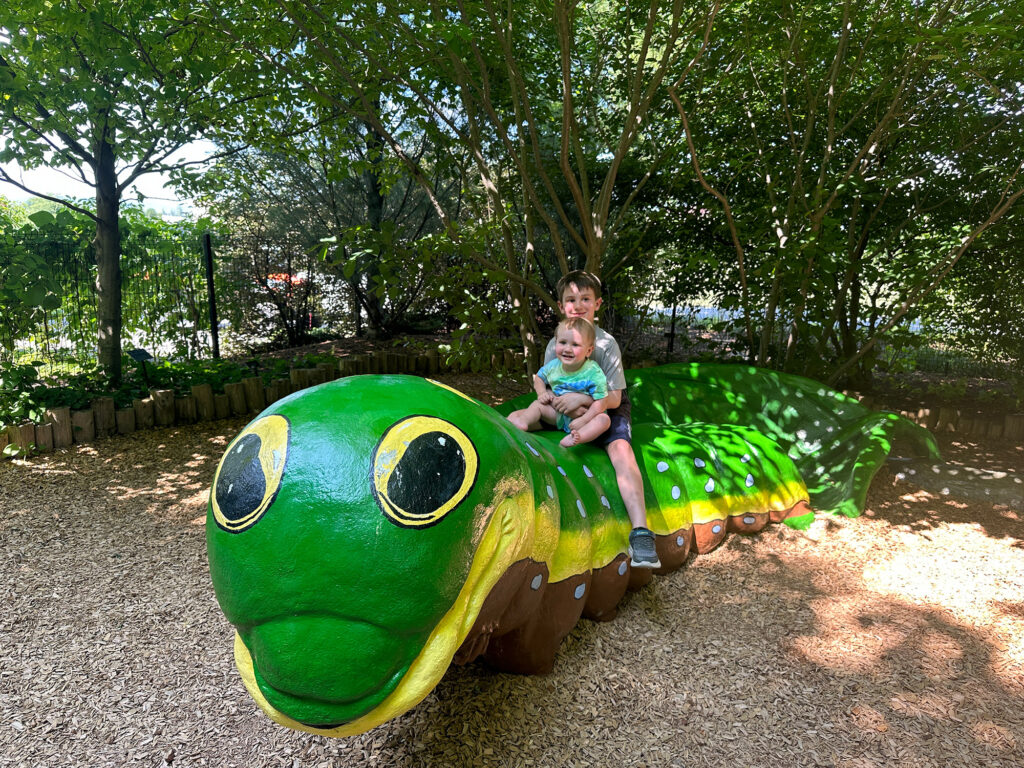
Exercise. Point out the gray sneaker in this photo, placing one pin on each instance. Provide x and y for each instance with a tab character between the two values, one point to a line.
642	553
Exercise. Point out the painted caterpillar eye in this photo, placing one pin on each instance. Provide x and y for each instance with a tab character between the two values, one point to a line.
422	469
250	473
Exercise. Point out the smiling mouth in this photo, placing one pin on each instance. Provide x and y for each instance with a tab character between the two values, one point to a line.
323	671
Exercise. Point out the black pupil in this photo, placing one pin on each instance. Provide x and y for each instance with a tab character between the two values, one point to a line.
241	485
430	472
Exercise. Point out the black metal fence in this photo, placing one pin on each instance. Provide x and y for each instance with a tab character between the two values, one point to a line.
164	304
263	291
281	292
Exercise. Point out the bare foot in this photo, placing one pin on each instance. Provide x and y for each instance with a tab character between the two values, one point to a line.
570	439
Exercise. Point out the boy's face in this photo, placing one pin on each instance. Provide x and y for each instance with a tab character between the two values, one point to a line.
578	302
571	349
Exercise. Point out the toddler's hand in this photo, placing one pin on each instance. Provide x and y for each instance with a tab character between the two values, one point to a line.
545	397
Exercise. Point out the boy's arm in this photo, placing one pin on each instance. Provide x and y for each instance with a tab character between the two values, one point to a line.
596	407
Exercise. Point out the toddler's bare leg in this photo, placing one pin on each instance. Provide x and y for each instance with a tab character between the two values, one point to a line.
588	431
529	419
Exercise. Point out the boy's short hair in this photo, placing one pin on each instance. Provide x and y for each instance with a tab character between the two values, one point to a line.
580	324
582	280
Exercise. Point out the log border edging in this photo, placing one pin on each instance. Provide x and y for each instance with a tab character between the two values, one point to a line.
62	427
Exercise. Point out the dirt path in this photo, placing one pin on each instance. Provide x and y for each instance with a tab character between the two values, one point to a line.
894	639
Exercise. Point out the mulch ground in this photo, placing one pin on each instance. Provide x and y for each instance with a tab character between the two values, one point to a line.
896	639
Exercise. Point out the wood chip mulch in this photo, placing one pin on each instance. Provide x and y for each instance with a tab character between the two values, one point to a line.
896	639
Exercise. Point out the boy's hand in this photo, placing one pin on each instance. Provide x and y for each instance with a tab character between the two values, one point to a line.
570	402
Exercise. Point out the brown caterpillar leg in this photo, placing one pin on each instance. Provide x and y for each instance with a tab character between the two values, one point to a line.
798	509
530	649
509	604
673	549
639	577
607	586
707	536
748	522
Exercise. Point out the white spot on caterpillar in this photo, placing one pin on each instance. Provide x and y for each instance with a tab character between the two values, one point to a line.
622	568
662	466
586	471
749	520
579	506
716	528
537	581
746	458
605	502
580	590
709	486
749	481
699	463
551	492
532	450
802	434
675	492
561	471
680	540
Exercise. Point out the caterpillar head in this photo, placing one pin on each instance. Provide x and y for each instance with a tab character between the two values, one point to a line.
343	529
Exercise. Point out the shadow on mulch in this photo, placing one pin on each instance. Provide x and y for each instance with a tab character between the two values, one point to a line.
922	510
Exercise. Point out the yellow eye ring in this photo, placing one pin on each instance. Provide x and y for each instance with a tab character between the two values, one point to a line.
249	475
423	467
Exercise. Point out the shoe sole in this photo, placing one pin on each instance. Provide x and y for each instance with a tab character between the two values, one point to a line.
644	563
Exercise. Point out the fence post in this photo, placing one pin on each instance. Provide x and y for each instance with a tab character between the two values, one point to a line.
208	254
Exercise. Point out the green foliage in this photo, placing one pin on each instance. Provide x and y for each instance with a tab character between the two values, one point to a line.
19	394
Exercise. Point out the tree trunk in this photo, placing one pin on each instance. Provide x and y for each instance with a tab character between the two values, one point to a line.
107	246
374	218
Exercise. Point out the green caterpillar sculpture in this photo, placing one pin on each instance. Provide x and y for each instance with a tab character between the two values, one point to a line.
366	533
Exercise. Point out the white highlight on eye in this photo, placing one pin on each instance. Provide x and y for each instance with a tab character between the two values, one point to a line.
676	492
230	487
662	466
441	440
709	486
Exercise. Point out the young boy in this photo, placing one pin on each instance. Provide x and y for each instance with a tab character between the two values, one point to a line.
579	294
570	371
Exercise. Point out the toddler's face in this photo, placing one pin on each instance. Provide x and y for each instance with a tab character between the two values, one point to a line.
571	348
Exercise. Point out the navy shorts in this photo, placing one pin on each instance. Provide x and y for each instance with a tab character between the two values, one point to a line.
621	428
